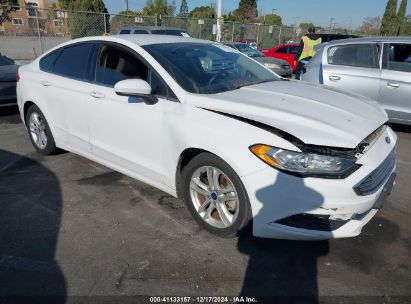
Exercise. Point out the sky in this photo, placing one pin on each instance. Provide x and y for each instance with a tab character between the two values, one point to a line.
345	13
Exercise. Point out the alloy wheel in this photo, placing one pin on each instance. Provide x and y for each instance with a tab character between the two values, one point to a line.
214	197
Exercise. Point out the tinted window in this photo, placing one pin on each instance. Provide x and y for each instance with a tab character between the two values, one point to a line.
73	61
167	32
359	55
293	50
46	64
5	61
282	50
116	64
399	57
157	85
140	32
125	32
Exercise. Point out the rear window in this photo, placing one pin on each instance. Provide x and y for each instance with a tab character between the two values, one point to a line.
358	55
170	32
47	63
5	61
140	32
73	61
282	50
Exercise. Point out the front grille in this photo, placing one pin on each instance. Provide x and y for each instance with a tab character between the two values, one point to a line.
376	178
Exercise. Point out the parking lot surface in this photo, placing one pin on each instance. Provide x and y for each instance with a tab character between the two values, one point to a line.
69	226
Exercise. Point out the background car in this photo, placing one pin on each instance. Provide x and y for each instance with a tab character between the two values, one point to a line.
285	52
155	30
281	67
378	68
8	73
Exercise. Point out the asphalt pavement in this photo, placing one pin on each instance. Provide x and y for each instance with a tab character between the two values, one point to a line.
71	227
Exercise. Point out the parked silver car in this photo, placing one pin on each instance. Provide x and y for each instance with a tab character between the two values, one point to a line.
376	67
278	66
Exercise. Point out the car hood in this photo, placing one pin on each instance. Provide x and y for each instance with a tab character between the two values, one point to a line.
316	115
270	60
8	72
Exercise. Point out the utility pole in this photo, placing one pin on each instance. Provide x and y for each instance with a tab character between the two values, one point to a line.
127	5
219	20
331	22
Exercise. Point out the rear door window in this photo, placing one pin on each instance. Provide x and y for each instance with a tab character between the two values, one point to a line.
358	55
73	61
124	32
47	63
398	57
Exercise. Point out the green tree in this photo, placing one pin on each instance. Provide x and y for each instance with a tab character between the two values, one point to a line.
124	18
202	12
271	19
83	24
247	10
6	7
401	18
183	9
389	21
159	7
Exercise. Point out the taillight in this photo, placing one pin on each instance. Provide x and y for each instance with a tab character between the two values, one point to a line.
17	77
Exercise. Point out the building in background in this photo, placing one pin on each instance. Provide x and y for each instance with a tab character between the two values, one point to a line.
33	16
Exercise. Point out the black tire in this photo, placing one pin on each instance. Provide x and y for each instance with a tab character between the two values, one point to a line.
50	147
244	212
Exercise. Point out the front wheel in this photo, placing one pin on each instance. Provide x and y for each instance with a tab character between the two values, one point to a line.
215	195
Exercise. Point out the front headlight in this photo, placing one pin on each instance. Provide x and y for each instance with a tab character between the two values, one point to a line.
271	65
305	164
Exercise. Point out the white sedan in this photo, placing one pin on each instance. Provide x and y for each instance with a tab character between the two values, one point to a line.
201	121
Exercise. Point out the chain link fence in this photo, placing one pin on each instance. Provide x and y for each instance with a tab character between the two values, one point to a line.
30	31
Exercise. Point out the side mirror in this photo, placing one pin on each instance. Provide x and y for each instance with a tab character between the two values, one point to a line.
135	88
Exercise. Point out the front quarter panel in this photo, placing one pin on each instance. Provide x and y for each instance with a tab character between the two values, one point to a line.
228	138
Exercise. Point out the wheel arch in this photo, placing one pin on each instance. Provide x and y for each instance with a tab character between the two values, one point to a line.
27	104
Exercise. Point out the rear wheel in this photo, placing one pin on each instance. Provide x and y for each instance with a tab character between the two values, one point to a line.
215	195
39	131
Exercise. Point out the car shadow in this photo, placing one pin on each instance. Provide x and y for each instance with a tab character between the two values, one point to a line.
401	128
282	271
30	216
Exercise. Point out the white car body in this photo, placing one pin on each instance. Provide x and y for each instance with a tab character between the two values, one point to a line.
93	121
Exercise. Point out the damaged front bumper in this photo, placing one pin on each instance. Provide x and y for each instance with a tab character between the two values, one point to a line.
290	207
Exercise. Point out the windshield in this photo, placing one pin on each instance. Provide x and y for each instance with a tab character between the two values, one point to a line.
5	61
208	68
249	51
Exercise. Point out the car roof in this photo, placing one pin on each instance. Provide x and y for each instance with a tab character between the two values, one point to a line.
151	28
138	39
386	39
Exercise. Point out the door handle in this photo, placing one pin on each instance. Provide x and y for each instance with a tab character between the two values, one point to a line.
45	83
334	78
393	85
97	94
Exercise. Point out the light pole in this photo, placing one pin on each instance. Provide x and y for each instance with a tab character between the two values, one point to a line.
331	22
127	5
295	28
218	36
